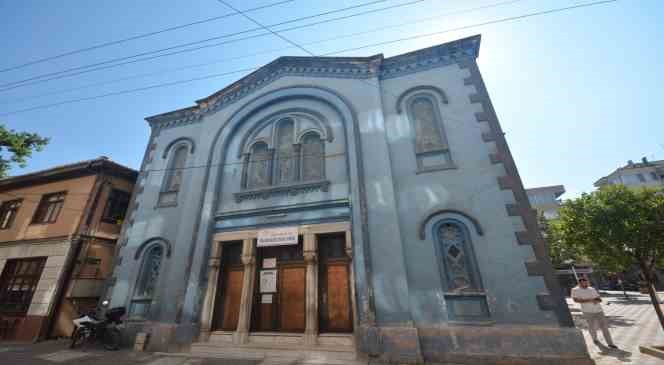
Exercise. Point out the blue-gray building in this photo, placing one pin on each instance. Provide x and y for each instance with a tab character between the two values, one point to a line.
342	207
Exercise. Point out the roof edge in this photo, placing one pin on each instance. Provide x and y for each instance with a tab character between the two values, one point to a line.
339	67
82	168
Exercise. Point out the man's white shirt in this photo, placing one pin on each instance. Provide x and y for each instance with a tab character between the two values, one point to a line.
587	293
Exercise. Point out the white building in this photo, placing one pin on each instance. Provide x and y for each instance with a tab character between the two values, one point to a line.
545	200
644	173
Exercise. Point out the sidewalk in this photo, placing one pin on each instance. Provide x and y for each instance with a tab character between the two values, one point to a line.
58	352
632	323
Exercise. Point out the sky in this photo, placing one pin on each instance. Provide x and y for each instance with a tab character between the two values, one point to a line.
575	91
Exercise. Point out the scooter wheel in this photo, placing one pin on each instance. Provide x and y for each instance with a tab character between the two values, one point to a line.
112	339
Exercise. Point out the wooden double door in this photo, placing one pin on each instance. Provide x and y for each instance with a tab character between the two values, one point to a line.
279	303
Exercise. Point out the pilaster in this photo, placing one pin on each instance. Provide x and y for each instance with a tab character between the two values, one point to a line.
246	299
311	259
214	267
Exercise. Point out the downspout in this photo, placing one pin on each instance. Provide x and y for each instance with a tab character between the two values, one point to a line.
74	252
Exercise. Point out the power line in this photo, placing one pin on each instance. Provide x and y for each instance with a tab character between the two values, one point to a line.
267	28
138	36
121	92
513	18
283	37
113	65
227	35
348	35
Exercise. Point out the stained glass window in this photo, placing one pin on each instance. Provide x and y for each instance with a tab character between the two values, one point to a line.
259	166
286	157
457	257
428	136
147	281
176	170
312	157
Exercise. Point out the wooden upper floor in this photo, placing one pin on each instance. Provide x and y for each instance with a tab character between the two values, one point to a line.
85	198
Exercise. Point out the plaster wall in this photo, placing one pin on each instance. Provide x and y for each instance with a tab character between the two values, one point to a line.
56	253
77	189
398	283
471	188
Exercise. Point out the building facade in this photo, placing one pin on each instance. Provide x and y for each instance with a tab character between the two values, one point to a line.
546	200
640	174
58	229
368	206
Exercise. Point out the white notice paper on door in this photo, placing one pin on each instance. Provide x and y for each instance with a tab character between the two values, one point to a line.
266	298
268	281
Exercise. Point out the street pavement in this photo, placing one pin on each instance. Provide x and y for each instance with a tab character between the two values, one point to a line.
632	323
58	353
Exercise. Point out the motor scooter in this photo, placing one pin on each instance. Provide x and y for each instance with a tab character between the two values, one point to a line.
88	328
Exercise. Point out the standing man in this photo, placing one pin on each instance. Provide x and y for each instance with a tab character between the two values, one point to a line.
592	311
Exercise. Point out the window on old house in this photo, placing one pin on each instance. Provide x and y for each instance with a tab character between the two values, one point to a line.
8	212
259	166
175	172
458	259
286	162
146	283
18	283
49	208
90	268
116	207
313	162
431	147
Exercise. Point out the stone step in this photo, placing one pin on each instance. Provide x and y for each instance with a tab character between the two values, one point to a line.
260	352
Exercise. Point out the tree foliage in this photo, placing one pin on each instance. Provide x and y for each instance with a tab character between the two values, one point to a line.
616	227
17	147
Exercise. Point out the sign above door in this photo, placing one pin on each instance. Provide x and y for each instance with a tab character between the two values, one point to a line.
277	237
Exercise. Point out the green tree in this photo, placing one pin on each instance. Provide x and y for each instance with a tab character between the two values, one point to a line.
17	147
617	227
559	251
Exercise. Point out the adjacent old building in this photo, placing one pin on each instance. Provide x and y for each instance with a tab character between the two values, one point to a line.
342	207
58	229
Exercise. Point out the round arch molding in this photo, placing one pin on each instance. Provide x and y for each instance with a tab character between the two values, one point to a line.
421	229
151	242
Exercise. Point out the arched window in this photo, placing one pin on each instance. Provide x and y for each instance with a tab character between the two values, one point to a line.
286	163
458	259
259	166
431	147
146	283
427	127
175	171
313	167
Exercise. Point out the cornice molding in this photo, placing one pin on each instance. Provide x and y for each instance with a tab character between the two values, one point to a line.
280	190
331	67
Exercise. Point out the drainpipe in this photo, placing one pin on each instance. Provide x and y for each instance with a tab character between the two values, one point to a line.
70	262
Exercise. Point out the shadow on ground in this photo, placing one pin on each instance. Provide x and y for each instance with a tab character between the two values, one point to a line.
613	321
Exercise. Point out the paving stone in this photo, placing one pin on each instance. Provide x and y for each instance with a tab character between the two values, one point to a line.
632	322
65	355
